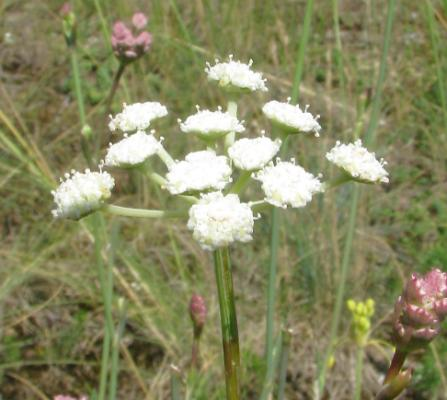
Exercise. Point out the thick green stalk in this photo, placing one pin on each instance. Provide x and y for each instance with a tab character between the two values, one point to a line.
354	201
175	383
358	373
283	363
143	213
230	336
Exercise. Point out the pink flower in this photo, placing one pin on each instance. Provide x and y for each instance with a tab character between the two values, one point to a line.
128	46
139	20
420	310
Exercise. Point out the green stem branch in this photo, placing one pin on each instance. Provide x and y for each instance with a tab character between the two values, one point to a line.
143	213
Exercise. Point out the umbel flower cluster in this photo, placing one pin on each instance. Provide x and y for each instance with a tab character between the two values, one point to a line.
211	180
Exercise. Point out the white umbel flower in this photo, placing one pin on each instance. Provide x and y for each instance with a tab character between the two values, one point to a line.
81	193
218	220
137	116
288	184
201	170
211	124
132	150
253	154
358	162
236	76
291	118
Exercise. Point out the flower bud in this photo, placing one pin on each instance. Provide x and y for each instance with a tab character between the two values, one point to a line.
68	24
197	311
420	310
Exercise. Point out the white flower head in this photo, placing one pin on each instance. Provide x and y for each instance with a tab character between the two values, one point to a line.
132	150
218	221
137	116
200	171
81	193
291	118
253	154
288	184
358	162
235	76
211	124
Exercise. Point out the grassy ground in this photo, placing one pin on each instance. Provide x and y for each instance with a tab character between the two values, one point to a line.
51	323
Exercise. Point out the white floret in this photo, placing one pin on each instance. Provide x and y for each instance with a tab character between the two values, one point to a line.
132	150
288	184
235	75
200	171
137	116
211	124
358	162
81	193
291	117
253	154
218	221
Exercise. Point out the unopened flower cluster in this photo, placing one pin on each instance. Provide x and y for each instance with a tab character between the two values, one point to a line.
214	182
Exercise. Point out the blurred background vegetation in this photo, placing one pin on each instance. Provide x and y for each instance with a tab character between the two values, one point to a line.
51	312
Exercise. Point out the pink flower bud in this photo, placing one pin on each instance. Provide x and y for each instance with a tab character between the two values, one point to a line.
420	310
197	311
139	20
65	9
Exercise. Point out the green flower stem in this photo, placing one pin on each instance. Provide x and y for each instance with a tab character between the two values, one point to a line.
106	283
80	101
232	110
369	135
230	337
285	348
274	240
116	350
156	178
175	383
165	157
143	213
341	289
116	80
338	181
241	182
358	373
396	365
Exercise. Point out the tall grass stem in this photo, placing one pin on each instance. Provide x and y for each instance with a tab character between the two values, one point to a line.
230	335
369	135
274	237
358	372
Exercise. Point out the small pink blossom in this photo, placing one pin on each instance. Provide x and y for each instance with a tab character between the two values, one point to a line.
139	20
126	44
197	310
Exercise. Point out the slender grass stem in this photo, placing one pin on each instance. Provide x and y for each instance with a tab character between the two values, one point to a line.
143	213
434	37
354	201
175	383
230	336
116	352
80	101
285	348
358	373
274	238
106	283
104	24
